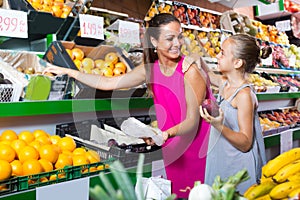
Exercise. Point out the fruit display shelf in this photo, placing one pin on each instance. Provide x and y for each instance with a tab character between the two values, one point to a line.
39	108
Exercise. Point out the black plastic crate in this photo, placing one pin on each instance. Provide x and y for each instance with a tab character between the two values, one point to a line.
127	154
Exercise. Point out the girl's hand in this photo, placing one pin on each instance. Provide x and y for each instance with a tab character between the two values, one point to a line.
215	121
151	142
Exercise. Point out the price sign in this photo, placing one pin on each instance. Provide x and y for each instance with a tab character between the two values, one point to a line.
284	25
91	26
129	32
292	60
267	61
13	23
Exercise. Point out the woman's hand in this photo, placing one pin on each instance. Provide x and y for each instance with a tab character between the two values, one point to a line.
151	142
56	70
215	121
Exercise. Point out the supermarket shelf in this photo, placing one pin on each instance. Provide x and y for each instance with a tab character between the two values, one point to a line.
277	71
274	140
277	96
37	108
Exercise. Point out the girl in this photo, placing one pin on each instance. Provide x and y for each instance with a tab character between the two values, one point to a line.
236	140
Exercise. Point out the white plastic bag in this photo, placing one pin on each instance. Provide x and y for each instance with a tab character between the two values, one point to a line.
155	188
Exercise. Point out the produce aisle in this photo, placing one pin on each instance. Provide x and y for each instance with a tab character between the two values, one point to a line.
63	107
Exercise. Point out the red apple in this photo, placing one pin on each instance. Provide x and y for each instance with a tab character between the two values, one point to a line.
211	107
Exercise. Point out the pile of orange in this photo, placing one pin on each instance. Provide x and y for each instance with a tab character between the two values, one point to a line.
34	152
111	65
57	7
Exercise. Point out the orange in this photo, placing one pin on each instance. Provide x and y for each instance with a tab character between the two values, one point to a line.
18	144
67	143
66	9
79	151
64	14
121	65
100	167
5	170
78	53
27	153
48	2
57	148
27	136
118	71
8	135
55	139
32	166
58	3
55	177
39	132
43	139
99	63
77	63
63	160
80	160
17	168
43	179
112	57
88	63
7	142
36	144
48	152
107	72
56	10
46	165
108	64
7	153
92	156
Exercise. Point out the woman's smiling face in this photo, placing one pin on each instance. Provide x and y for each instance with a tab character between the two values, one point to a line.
169	41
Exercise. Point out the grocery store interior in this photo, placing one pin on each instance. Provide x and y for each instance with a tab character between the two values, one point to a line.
62	139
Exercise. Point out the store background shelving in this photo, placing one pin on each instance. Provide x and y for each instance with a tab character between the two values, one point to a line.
48	114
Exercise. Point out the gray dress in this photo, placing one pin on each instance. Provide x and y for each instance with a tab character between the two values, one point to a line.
224	159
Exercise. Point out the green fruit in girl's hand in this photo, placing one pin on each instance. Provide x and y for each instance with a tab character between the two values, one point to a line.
211	106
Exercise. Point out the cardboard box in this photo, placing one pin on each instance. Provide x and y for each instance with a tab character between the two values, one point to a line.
57	55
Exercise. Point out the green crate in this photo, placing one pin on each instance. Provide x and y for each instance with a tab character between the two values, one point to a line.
44	178
60	175
9	186
91	169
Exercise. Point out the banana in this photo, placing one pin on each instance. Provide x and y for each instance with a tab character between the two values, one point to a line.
273	166
261	189
286	171
295	177
249	189
294	193
265	197
283	189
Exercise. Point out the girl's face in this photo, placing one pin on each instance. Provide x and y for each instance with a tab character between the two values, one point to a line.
225	57
169	41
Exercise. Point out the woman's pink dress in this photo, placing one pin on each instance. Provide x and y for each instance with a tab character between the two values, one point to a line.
184	156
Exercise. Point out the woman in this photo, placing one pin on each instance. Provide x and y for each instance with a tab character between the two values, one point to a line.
177	91
236	140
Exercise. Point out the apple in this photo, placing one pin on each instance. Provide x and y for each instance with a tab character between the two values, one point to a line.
211	106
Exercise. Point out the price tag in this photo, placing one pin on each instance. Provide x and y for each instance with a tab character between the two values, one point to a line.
284	25
75	190
292	60
91	26
286	140
267	61
13	23
129	32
